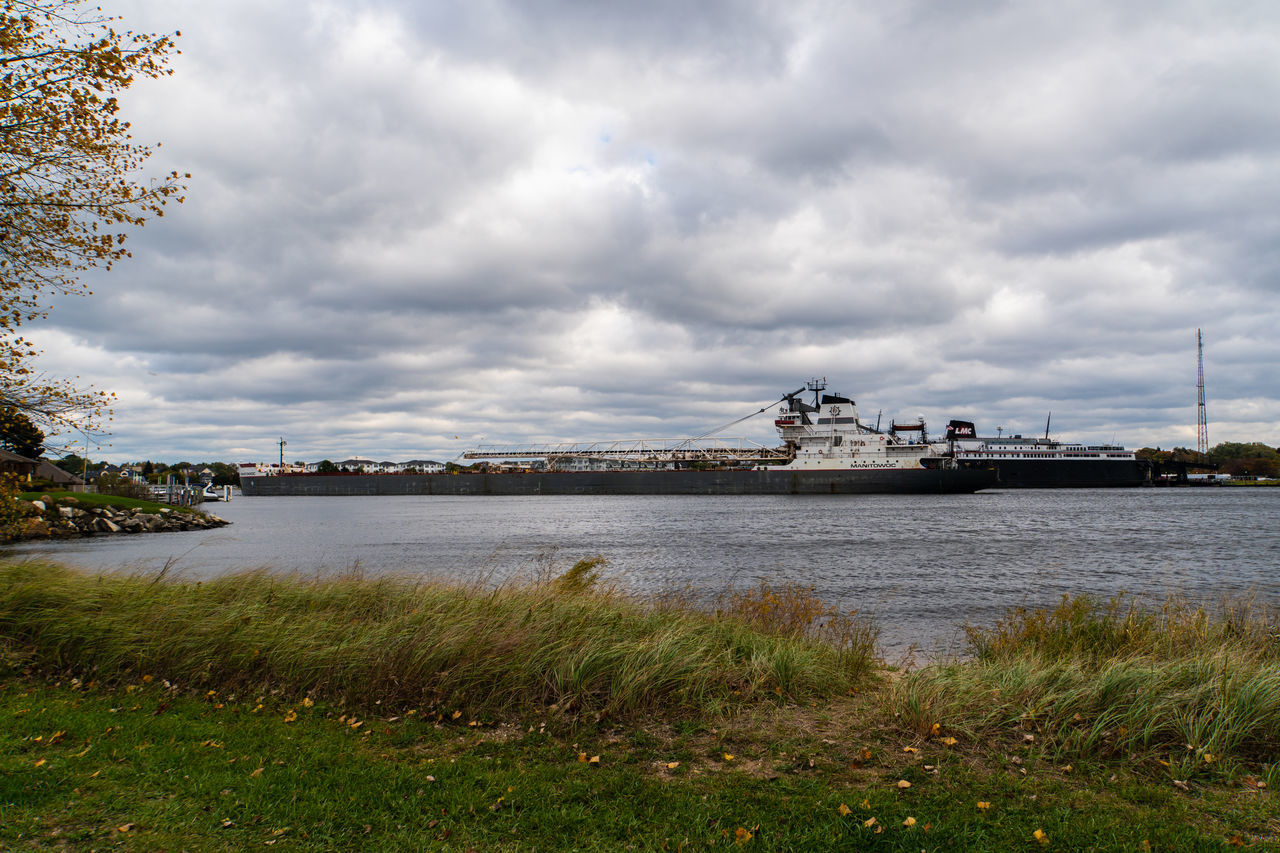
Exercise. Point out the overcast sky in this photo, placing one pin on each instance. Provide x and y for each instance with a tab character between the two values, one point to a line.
409	221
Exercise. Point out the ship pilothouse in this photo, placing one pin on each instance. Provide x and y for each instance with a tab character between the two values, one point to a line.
828	433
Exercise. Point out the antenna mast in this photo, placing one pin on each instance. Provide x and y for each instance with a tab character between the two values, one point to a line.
282	443
1202	422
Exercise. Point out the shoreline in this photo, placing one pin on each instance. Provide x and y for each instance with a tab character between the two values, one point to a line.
67	516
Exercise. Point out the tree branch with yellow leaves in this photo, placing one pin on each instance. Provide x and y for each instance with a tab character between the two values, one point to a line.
68	187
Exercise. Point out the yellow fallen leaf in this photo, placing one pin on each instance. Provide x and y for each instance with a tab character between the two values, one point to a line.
983	805
147	679
1208	758
910	821
582	757
307	703
595	759
866	804
41	763
844	810
910	749
1039	835
127	827
866	754
672	765
869	822
742	835
291	716
455	715
728	756
903	784
949	741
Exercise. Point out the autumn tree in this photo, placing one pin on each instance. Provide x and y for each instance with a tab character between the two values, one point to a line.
69	189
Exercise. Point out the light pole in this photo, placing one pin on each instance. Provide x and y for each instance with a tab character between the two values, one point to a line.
84	471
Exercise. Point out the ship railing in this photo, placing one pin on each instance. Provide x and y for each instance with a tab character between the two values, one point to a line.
640	449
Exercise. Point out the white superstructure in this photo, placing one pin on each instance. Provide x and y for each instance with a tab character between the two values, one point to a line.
829	434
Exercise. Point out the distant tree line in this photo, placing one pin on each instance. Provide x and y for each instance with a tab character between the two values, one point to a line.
1252	459
156	473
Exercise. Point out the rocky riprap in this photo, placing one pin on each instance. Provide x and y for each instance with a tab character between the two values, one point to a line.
66	519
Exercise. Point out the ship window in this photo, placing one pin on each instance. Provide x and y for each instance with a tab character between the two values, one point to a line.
837	440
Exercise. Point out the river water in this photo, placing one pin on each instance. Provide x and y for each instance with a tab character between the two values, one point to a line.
919	565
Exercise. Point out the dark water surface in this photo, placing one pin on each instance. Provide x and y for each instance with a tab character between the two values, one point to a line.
921	565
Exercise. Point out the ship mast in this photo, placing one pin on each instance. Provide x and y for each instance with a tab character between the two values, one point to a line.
816	385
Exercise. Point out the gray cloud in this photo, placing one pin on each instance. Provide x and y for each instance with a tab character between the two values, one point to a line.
409	221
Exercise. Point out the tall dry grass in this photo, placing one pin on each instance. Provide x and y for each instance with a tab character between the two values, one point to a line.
1190	685
564	641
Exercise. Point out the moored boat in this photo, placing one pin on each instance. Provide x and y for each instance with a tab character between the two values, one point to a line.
1045	463
826	449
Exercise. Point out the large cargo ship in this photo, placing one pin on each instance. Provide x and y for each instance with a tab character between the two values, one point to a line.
826	449
1045	463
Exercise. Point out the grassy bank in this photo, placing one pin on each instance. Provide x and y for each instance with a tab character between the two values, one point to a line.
1180	687
359	714
423	644
89	499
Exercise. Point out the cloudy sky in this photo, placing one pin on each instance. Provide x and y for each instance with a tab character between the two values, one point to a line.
409	221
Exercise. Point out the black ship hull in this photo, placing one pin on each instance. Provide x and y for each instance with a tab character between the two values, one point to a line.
1071	473
730	482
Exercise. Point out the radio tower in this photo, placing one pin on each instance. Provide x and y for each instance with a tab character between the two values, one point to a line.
1202	422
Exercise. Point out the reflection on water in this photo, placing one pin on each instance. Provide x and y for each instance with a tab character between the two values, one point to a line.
921	565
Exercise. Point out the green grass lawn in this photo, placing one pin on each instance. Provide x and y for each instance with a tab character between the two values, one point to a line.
144	767
87	499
